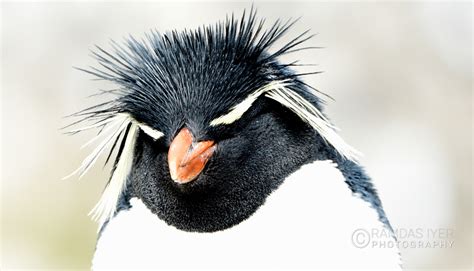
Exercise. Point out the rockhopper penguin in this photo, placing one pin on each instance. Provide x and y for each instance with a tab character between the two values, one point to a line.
222	158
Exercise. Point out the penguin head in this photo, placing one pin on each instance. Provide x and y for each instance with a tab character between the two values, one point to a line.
206	124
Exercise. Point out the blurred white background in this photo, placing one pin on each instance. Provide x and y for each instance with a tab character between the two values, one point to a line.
401	75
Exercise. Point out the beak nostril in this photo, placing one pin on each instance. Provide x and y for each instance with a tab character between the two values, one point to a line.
196	150
186	158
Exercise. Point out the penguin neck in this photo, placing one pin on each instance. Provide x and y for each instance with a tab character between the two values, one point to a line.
354	175
312	211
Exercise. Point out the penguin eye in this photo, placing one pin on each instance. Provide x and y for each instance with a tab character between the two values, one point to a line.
239	110
155	134
234	113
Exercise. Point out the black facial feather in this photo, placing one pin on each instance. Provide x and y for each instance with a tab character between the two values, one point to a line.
187	79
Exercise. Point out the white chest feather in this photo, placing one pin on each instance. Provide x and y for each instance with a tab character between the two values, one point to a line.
308	222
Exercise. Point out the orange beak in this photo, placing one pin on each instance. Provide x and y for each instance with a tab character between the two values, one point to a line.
186	159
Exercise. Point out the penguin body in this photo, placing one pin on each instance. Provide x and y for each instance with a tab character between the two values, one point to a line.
224	158
307	223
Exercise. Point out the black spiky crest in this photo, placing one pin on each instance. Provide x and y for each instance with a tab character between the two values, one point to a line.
203	72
